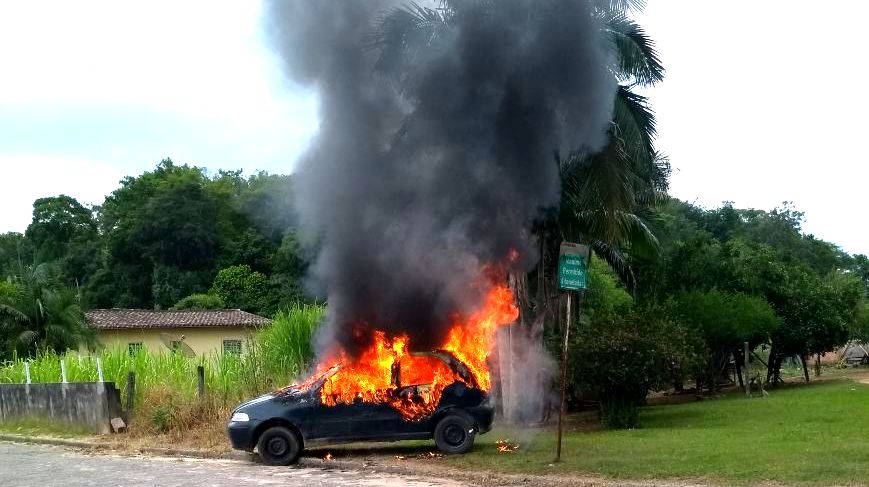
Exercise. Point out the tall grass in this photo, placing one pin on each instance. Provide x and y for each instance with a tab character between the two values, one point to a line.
274	356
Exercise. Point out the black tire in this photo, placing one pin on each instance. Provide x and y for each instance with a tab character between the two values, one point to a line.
279	446
454	434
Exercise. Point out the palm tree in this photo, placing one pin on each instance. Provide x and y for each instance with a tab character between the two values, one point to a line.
38	313
608	198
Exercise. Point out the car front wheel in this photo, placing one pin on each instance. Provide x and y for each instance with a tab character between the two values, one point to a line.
454	434
279	446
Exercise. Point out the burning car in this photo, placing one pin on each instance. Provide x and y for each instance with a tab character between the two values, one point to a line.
428	395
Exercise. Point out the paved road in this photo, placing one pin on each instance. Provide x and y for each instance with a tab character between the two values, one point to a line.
41	465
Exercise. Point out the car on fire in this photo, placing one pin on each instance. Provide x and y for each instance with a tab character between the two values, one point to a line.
280	425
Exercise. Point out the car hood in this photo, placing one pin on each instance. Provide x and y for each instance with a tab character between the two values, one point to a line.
254	401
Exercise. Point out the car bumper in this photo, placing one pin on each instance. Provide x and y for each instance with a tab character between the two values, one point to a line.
241	434
483	415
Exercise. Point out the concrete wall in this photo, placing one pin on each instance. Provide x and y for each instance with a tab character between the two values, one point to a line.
202	340
84	404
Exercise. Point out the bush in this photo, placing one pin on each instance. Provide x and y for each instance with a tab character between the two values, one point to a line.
243	288
622	359
860	327
724	321
200	301
161	418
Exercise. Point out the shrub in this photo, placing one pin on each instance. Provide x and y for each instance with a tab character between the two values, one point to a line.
241	287
620	360
724	321
161	418
860	327
200	301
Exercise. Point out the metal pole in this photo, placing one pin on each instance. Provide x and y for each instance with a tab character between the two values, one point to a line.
745	367
27	372
62	372
563	377
99	370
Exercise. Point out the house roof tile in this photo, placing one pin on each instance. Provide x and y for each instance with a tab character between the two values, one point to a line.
120	319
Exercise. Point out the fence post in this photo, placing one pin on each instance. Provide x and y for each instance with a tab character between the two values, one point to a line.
27	372
99	370
62	372
200	380
131	390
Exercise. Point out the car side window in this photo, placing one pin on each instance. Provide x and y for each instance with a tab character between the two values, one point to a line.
418	370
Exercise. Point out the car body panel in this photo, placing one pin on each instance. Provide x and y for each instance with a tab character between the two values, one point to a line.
302	410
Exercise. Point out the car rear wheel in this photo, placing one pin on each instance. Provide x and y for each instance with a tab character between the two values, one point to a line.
279	446
454	434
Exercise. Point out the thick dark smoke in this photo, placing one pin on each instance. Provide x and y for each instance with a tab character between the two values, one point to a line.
419	177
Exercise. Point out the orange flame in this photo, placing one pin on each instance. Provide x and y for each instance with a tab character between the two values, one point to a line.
412	384
504	446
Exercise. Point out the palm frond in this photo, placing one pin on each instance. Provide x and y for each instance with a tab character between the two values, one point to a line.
637	60
634	123
622	6
617	261
402	33
27	337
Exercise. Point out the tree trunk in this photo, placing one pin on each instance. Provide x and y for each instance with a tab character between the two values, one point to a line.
739	375
770	367
818	365
804	358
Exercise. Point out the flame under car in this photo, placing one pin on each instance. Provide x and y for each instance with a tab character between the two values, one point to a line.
280	425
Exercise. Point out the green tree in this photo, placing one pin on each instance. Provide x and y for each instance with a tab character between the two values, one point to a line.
817	314
860	326
724	321
57	222
860	265
607	198
15	251
64	231
200	301
288	271
620	360
39	313
168	231
241	287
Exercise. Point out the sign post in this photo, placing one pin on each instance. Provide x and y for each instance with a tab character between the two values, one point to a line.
572	276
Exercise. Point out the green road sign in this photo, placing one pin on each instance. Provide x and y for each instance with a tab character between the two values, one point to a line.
573	267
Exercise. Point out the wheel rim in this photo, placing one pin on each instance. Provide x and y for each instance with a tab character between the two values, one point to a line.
277	446
454	435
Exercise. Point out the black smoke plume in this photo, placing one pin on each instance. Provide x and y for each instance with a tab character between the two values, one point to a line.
435	149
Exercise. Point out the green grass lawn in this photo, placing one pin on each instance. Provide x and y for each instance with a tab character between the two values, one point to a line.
810	434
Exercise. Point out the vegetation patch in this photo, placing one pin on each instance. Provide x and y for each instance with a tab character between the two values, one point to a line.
807	434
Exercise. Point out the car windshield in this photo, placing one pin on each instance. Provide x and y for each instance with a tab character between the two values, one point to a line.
414	370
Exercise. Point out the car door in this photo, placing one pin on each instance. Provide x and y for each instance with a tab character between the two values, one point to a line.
373	420
329	421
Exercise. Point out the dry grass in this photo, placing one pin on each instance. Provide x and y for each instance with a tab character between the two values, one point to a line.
165	420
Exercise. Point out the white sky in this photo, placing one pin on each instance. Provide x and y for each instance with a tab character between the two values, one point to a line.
761	103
